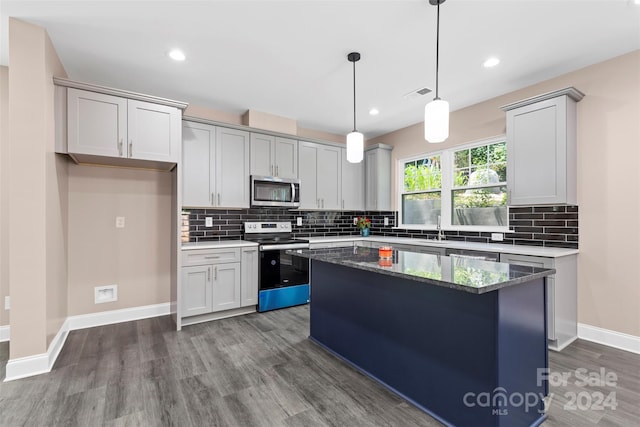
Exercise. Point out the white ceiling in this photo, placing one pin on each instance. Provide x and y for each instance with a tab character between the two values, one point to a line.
289	57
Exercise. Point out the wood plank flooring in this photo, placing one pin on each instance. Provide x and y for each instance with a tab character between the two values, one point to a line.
254	370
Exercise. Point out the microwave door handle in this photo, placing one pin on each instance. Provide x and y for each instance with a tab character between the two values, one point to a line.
293	192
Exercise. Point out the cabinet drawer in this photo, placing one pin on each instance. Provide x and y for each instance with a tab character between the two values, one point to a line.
210	256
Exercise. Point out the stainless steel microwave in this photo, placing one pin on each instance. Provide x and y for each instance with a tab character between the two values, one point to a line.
273	191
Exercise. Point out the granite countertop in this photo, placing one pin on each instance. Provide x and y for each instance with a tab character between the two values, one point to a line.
470	275
487	247
218	244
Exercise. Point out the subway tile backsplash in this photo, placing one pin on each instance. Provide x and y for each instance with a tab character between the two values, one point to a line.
551	226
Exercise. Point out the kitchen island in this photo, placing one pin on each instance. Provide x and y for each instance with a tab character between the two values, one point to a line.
462	339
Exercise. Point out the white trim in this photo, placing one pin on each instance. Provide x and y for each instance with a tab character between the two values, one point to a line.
42	363
609	338
4	333
117	316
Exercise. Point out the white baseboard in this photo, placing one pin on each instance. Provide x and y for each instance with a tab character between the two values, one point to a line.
610	338
91	320
4	333
42	363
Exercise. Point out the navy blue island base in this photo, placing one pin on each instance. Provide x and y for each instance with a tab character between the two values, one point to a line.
467	359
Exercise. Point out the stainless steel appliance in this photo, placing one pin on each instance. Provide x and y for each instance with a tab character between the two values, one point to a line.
272	191
283	278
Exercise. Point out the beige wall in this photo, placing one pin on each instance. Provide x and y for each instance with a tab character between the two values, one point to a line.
137	257
608	180
4	193
37	189
265	121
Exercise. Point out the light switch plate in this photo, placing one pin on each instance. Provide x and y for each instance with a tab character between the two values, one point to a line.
386	221
497	237
208	221
7	303
299	221
119	222
104	294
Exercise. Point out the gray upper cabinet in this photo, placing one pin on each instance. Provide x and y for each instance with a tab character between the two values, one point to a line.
308	173
541	149
352	183
104	125
377	165
320	170
274	156
215	166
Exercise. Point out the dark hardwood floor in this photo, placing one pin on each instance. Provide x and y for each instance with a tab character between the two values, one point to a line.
258	370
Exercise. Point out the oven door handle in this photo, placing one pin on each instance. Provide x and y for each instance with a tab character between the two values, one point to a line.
293	192
264	248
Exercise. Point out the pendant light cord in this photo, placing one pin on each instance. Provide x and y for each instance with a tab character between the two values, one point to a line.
354	96
437	48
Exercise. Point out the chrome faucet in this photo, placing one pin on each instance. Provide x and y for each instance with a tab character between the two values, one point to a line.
440	233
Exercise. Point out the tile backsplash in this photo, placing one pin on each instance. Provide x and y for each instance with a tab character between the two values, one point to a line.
551	226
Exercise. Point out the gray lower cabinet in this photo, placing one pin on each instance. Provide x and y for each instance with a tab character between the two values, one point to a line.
211	281
249	277
562	296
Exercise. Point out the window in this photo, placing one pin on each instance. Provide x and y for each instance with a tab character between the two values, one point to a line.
479	186
421	195
463	187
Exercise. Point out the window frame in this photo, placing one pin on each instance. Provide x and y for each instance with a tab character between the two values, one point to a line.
447	159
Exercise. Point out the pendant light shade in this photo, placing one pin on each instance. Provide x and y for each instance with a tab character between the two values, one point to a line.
355	140
436	121
355	147
436	113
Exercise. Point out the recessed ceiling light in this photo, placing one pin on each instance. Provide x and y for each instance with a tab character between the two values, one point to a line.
177	55
491	62
374	112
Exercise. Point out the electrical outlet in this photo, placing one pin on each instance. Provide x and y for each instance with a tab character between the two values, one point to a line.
208	221
119	222
386	221
355	220
7	303
299	221
498	237
105	294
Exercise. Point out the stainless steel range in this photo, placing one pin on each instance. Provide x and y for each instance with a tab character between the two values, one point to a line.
283	279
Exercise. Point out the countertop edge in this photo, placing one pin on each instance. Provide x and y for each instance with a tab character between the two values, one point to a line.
219	244
540	251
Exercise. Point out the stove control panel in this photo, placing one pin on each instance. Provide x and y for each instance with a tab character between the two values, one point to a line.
267	227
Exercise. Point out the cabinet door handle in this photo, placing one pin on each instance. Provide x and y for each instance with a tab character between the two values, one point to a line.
215	273
130	148
208	274
212	257
213	200
509	197
322	203
120	147
277	170
218	199
250	251
317	203
272	170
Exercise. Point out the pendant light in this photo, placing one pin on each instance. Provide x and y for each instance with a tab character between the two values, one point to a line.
436	113
355	140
